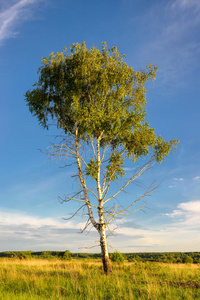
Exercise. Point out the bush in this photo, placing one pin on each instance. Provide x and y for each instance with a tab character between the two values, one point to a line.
187	259
117	257
67	255
178	260
45	254
131	259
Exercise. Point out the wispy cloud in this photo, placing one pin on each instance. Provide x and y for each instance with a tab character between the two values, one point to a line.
178	179
181	233
129	169
175	181
20	231
186	4
189	212
166	237
173	44
196	178
12	15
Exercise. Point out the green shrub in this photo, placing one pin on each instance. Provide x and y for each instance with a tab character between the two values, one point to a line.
187	259
45	254
131	259
67	255
178	260
117	257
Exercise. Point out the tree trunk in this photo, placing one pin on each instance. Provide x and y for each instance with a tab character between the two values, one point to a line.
104	252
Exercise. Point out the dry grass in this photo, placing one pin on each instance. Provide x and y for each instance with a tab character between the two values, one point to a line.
77	279
182	266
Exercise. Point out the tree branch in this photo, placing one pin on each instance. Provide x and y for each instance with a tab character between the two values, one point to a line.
139	173
74	213
82	180
121	212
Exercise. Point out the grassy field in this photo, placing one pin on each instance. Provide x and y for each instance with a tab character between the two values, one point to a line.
43	279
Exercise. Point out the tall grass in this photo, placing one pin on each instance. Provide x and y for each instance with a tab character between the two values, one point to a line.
36	279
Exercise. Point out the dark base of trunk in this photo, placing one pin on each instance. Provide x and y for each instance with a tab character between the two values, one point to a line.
106	265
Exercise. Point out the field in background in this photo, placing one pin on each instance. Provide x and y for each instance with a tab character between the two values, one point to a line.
75	279
165	257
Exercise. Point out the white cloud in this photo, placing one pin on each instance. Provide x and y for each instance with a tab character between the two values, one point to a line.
186	4
175	213
13	15
129	169
189	213
178	179
175	182
196	178
180	234
20	231
191	206
19	219
166	237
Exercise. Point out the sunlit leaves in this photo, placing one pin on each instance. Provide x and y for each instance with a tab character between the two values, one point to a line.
98	93
163	148
92	169
114	167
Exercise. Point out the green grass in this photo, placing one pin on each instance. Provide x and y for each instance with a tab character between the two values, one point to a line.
43	279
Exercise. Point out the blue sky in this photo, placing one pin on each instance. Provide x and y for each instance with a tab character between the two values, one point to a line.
163	32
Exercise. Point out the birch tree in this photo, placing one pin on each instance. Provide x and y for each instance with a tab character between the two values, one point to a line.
98	103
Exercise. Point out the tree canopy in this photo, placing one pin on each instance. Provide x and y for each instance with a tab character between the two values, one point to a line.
98	93
98	102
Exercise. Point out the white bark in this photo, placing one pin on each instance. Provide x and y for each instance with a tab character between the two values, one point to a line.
83	183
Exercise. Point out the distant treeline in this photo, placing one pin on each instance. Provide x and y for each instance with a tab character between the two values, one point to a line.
167	257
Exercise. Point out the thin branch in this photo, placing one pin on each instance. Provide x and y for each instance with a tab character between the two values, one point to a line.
104	182
110	246
89	247
86	225
121	212
92	144
111	232
66	219
139	173
64	166
112	212
80	200
126	214
103	154
92	192
83	161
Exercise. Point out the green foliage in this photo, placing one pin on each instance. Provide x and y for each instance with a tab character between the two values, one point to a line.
114	166
96	94
92	168
168	257
187	259
172	257
96	99
17	254
46	254
178	260
65	255
117	257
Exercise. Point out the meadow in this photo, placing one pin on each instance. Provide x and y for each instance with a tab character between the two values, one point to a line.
55	279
